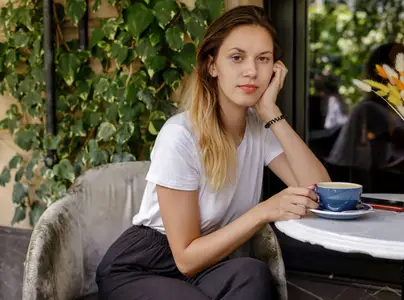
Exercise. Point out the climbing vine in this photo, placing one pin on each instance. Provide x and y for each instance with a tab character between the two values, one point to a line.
111	99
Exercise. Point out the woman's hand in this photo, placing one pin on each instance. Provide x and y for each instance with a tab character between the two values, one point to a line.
291	203
266	104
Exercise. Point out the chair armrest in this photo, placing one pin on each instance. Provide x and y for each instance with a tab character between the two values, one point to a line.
265	247
53	268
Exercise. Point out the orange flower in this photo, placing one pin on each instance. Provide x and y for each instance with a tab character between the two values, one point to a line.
398	83
381	71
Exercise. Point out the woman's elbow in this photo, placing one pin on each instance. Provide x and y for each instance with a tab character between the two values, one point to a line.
186	269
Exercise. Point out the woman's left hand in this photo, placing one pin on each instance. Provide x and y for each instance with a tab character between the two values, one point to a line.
268	99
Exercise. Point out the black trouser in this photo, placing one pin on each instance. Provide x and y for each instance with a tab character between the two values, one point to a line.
140	266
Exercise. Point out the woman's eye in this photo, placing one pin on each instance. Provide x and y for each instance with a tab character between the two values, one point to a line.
236	58
263	59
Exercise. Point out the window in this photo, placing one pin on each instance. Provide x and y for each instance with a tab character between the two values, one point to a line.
326	43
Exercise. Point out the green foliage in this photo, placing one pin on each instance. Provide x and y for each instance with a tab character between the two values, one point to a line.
102	117
343	35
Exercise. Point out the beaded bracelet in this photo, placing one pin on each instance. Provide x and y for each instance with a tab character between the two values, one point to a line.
274	120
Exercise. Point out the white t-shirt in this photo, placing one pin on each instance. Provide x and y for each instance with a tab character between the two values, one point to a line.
176	164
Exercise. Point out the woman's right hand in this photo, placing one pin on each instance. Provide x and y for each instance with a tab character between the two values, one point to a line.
291	203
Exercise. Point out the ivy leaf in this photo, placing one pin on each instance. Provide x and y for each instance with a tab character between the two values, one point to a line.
214	8
64	170
18	174
110	27
98	157
105	131
4	124
11	58
77	129
29	174
75	10
186	59
140	79
119	52
113	92
52	142
101	87
137	18
111	112
124	38
19	215
172	78
128	113
146	97
165	11
83	89
175	38
15	161
155	64
195	24
156	35
20	192
11	80
69	65
96	5
5	177
94	119
21	39
96	36
144	49
36	212
26	139
124	132
124	157
157	120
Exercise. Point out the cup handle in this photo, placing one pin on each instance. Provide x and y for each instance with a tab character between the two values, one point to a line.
315	190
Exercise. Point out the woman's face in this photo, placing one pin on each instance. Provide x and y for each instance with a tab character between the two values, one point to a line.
243	66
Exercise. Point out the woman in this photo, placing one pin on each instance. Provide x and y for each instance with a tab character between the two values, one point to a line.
201	201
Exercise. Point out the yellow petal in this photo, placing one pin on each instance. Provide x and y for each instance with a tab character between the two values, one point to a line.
377	85
381	93
394	100
394	91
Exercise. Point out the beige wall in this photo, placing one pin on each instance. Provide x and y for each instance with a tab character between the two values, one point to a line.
8	148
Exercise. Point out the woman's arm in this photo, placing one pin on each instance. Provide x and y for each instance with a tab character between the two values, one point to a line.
297	160
193	253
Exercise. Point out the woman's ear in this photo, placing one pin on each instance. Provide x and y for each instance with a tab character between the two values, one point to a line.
212	67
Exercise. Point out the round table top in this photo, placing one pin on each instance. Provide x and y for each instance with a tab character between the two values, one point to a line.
379	233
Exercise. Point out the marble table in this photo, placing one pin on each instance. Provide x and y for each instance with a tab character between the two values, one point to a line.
379	234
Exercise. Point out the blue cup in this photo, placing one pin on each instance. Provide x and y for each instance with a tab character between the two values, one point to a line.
338	196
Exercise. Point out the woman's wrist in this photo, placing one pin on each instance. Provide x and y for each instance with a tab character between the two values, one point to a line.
263	215
270	113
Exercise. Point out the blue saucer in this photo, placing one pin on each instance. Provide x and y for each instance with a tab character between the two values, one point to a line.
343	215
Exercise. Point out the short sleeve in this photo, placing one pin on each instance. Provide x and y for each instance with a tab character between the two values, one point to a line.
174	159
272	147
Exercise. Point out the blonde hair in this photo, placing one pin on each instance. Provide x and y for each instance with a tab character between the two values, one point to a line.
199	95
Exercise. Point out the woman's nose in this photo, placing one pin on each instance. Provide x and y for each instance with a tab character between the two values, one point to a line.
250	68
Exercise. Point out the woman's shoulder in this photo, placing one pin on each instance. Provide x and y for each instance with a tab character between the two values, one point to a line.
177	128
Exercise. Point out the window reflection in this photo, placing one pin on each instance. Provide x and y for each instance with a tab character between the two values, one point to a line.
358	137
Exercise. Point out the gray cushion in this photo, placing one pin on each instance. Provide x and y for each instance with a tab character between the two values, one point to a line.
74	233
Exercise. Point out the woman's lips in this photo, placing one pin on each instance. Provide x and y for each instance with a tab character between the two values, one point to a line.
248	88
